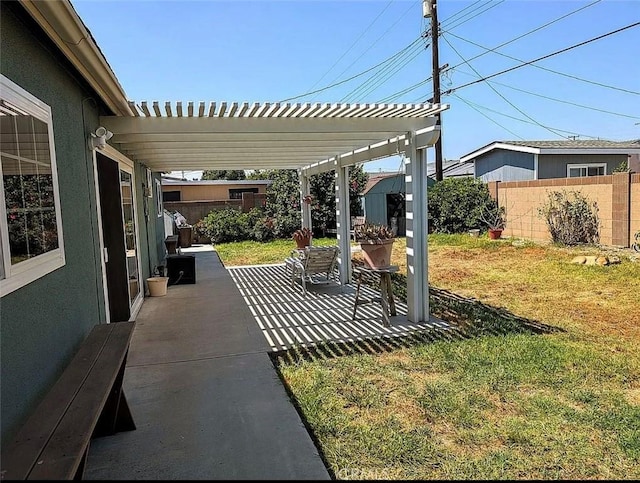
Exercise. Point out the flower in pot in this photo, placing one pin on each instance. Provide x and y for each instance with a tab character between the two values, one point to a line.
302	237
495	218
376	242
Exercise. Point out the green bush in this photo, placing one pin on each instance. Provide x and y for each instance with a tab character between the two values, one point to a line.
227	225
571	218
231	225
455	205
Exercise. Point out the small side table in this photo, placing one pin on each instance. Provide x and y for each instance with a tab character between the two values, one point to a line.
386	291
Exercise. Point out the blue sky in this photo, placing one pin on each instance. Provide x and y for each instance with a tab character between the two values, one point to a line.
273	50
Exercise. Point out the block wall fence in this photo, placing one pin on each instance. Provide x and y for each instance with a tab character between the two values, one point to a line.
617	196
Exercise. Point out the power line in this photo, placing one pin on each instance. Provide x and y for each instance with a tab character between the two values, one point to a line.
497	92
353	44
377	40
406	90
529	122
546	56
512	40
558	100
536	29
452	17
538	66
384	74
485	115
477	14
354	76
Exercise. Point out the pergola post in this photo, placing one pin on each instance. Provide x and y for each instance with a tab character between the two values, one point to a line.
305	208
343	222
416	199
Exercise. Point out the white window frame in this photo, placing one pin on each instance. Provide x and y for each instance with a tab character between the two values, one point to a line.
586	166
158	198
25	272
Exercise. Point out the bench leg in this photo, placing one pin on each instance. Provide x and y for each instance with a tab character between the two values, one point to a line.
116	415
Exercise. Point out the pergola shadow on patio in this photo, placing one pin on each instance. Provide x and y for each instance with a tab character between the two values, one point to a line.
289	319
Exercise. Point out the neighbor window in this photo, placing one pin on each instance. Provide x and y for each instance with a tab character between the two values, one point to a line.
577	170
236	194
31	239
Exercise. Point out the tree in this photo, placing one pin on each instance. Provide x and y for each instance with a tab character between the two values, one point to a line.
283	198
322	188
283	201
229	174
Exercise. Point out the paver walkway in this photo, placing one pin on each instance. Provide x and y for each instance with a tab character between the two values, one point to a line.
206	399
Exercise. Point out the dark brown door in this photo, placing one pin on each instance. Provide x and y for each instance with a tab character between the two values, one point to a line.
114	238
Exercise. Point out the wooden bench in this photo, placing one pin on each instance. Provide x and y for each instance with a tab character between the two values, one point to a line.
86	401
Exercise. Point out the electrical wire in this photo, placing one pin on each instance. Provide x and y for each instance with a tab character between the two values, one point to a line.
485	115
558	100
406	90
452	17
356	75
377	40
497	92
538	66
509	41
599	37
353	44
384	74
529	122
476	15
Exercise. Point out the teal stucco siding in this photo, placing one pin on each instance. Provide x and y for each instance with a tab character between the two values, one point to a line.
43	323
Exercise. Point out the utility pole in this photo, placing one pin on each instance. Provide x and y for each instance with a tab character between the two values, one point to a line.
429	9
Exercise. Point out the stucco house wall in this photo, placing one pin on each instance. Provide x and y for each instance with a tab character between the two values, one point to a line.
555	165
504	165
43	322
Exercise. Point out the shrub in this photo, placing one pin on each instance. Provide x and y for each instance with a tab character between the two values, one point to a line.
571	218
227	225
455	205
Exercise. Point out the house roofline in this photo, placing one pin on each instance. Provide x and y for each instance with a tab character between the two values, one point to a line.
528	149
62	24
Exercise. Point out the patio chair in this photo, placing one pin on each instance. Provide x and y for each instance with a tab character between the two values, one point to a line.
356	222
314	261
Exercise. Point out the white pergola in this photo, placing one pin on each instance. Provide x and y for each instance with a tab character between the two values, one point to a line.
312	138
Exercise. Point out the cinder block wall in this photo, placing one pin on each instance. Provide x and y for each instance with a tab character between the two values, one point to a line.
617	197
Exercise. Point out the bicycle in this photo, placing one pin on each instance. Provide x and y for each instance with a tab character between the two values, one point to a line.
636	245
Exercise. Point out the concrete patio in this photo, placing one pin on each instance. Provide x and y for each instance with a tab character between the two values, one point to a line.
205	396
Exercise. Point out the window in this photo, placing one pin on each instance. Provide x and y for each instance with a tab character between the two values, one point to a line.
593	169
158	198
236	194
31	239
171	196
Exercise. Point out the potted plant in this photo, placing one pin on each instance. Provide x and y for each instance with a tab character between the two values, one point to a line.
376	242
302	237
495	218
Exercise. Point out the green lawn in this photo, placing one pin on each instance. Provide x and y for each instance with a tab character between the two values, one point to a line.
564	405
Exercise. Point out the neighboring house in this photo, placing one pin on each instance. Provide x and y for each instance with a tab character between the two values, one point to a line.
75	243
196	199
458	170
529	160
211	190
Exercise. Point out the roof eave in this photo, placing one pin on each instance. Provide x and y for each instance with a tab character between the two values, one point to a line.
64	27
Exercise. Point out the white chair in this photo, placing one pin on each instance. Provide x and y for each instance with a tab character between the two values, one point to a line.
314	261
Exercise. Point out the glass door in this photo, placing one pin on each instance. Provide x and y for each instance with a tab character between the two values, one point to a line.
129	219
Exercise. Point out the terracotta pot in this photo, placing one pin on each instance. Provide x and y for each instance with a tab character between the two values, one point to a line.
377	254
494	234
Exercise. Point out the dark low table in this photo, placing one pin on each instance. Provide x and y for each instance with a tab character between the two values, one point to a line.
386	291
